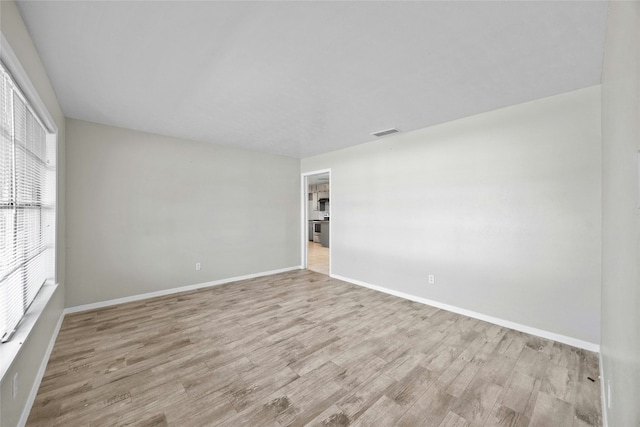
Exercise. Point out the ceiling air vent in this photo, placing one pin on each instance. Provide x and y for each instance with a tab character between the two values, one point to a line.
385	132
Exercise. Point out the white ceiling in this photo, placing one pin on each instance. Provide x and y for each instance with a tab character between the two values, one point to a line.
303	78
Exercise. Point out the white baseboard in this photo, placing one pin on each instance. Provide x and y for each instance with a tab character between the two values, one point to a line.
164	292
603	393
497	321
501	322
43	367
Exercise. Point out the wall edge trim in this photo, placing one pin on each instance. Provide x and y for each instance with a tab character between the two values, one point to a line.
40	374
603	395
138	297
495	320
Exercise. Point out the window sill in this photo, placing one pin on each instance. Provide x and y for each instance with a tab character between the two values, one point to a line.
9	350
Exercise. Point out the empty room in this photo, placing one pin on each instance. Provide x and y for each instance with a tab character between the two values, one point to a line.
323	213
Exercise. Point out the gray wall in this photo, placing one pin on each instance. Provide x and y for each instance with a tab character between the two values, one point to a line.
143	209
503	208
620	214
34	348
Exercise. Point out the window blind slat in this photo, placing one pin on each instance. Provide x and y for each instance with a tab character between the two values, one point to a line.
6	150
27	205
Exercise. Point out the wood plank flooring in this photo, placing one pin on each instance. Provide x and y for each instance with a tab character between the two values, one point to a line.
300	348
318	258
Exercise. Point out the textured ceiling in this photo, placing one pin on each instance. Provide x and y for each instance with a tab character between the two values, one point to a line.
303	78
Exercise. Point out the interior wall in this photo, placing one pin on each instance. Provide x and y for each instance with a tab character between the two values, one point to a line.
34	348
143	209
503	208
620	215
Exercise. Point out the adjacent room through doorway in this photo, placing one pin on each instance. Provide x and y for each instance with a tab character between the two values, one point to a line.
317	221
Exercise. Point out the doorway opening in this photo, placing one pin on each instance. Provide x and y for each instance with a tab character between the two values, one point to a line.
316	205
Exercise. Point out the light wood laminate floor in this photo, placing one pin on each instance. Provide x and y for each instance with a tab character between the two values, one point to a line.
317	258
300	348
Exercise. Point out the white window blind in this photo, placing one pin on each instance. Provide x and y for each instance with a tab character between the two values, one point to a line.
27	205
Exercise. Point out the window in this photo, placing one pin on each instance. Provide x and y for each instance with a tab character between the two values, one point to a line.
27	205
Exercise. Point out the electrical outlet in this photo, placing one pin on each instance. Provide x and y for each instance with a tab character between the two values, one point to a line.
432	279
14	389
197	266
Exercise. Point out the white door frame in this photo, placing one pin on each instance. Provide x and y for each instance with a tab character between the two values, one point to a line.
305	217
